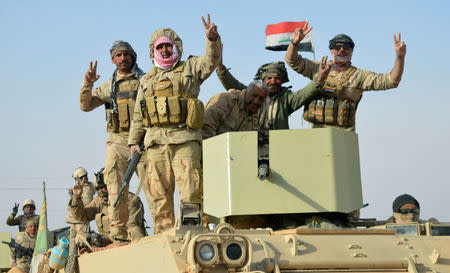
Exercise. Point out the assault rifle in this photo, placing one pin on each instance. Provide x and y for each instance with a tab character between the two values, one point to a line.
20	250
130	170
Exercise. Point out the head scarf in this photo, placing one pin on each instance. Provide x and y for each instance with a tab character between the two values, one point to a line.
120	45
341	38
270	69
160	61
402	200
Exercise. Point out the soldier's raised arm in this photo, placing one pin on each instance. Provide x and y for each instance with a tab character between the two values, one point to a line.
400	53
89	100
203	66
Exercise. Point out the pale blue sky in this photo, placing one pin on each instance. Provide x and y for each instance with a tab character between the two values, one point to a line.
47	45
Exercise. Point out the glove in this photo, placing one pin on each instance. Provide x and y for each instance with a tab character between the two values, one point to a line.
15	209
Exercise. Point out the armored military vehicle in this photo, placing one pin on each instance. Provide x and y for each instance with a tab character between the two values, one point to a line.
299	215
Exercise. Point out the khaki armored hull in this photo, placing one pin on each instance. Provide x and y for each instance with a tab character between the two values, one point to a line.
295	250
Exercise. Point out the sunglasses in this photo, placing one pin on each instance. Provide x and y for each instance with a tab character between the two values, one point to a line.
407	211
345	46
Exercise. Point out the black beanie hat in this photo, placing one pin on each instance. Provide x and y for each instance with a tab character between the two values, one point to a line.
404	199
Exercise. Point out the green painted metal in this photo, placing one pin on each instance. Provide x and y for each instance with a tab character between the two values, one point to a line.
311	171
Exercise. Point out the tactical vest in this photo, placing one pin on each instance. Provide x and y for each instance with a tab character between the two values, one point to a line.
166	103
332	107
120	120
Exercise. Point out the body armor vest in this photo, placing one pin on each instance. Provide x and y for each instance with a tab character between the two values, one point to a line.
120	120
166	103
332	107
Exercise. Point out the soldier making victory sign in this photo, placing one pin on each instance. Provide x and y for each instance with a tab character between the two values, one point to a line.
118	95
171	115
336	106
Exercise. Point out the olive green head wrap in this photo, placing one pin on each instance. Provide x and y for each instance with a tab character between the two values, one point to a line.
272	68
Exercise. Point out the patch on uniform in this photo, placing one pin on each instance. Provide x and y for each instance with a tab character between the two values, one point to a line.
329	89
163	85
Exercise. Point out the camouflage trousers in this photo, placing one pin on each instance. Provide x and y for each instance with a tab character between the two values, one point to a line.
167	164
116	164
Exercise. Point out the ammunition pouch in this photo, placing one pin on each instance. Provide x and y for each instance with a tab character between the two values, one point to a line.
120	119
331	111
173	110
165	103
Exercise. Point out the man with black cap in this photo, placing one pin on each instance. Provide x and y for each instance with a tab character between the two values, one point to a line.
118	94
406	209
336	106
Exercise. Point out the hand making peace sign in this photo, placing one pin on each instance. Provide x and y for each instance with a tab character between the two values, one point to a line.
400	47
210	29
300	33
91	74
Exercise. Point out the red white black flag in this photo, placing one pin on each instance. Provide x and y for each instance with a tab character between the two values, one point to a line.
278	37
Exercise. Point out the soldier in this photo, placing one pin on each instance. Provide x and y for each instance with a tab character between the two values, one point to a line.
81	178
336	107
118	95
406	209
27	240
275	112
98	210
28	208
235	110
282	101
172	117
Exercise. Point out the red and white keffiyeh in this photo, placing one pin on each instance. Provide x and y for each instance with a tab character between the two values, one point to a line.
160	61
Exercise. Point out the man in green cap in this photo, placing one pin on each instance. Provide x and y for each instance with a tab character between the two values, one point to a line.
118	94
273	113
336	106
281	101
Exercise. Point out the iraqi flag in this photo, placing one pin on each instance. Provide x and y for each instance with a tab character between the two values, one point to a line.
278	37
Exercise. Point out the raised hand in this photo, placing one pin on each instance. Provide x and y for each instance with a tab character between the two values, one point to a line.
324	70
300	33
400	47
210	29
15	209
91	74
77	191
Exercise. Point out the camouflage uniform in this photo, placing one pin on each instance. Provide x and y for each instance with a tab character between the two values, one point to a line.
21	220
117	150
227	112
98	210
275	112
358	82
27	241
76	226
173	151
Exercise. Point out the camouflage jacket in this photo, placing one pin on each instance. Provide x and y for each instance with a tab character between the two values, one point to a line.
21	220
196	70
359	81
98	210
27	241
275	112
90	100
226	112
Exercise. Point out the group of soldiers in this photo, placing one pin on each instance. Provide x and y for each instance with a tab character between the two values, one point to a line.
160	111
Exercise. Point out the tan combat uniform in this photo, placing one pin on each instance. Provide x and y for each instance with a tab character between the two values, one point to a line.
78	227
117	150
21	220
98	210
227	112
27	241
173	150
346	87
